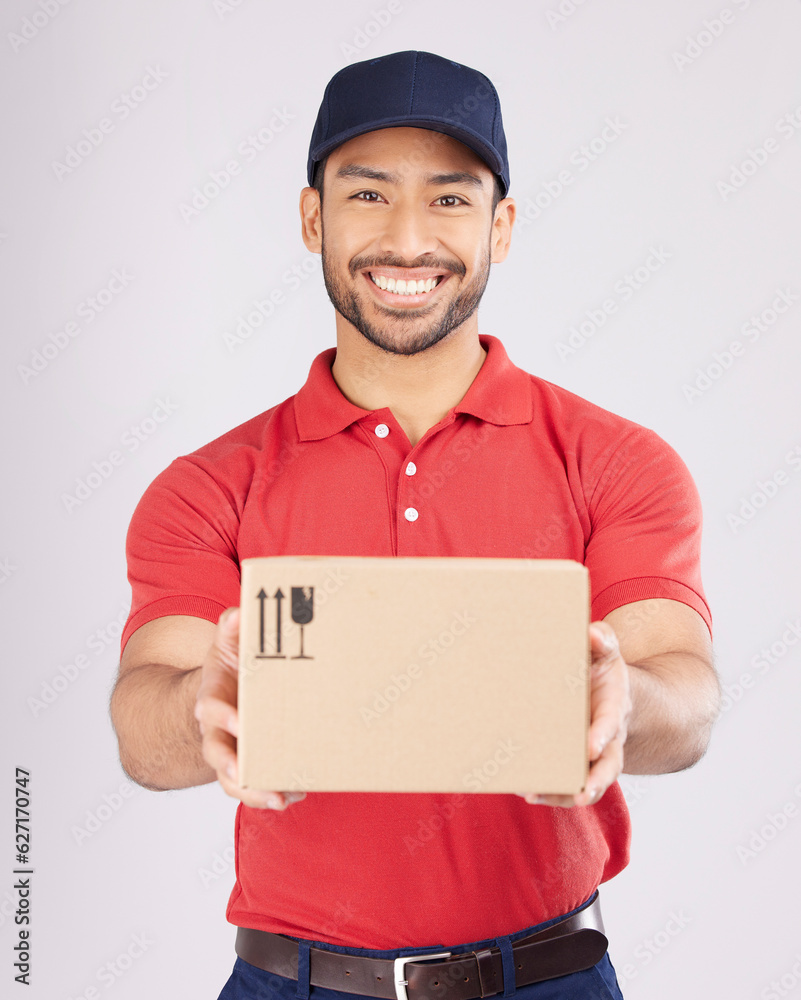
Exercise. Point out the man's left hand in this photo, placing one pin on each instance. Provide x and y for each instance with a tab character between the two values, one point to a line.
610	708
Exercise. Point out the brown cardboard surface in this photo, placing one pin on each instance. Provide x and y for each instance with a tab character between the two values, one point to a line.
413	674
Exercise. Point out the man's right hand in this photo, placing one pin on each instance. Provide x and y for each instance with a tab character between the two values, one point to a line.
216	712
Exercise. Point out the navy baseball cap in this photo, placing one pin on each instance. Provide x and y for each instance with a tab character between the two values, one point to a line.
412	89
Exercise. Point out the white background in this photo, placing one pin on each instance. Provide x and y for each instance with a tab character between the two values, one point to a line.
707	906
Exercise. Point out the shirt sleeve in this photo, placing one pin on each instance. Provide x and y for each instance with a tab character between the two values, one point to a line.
181	548
645	539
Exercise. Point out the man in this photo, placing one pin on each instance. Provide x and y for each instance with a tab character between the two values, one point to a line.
417	436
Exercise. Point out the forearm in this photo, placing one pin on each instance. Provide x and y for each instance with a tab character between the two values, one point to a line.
673	711
152	709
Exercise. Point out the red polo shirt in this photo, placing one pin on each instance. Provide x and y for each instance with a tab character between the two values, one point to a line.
519	468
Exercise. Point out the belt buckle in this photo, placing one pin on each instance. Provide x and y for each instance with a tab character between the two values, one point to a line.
400	972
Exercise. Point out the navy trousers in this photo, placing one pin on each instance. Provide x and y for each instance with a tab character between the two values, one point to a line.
249	983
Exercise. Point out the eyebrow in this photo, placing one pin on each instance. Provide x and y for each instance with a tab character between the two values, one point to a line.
435	180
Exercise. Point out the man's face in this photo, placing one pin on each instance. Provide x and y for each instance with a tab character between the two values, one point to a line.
408	205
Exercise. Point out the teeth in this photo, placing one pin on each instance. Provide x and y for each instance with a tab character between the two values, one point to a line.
401	287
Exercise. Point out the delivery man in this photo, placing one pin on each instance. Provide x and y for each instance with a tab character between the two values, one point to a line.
415	435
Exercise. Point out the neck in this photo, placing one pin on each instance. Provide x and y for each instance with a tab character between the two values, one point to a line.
418	388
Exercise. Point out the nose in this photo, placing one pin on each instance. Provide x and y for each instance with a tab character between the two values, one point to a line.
408	232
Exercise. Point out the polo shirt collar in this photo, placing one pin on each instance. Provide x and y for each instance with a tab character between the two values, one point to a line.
500	394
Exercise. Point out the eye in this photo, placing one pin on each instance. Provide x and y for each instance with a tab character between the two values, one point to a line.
453	199
368	196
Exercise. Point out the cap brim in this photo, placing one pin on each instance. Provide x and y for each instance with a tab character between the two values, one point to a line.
456	130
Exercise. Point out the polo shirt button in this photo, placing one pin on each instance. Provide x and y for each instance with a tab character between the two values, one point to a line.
410	514
382	430
411	468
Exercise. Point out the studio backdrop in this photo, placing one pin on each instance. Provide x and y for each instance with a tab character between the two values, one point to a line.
156	293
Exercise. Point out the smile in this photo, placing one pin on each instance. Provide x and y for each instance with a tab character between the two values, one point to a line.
396	291
401	287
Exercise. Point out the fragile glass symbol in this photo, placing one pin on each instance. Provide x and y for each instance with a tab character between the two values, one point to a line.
302	613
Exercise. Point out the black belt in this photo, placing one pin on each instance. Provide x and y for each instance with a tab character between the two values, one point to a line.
570	945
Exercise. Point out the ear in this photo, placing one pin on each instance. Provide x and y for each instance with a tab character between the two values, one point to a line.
501	234
311	219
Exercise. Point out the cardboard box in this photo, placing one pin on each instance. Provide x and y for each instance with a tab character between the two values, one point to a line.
414	674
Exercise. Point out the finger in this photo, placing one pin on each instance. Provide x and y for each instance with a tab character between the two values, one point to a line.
218	684
603	640
603	773
226	640
608	723
253	797
227	614
216	713
219	752
611	706
258	799
563	801
224	650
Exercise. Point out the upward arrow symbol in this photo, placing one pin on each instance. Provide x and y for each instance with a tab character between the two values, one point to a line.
278	598
261	597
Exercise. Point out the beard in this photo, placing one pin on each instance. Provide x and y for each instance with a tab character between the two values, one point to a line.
406	331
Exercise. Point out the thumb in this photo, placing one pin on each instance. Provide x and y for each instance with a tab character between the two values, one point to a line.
603	640
226	639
